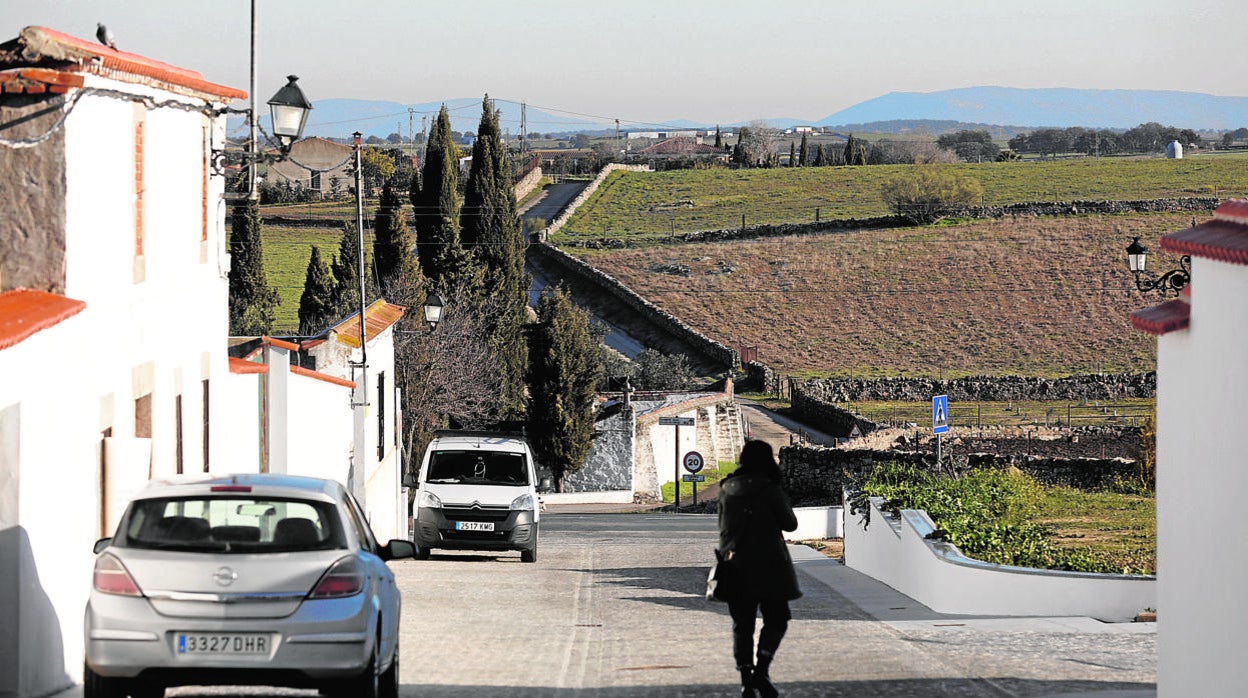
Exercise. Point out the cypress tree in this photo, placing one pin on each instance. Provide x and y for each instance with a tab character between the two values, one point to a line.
821	156
565	374
719	138
803	152
345	268
395	265
316	305
252	300
435	199
491	229
792	154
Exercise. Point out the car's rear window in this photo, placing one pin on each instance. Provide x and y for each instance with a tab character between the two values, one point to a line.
232	525
478	468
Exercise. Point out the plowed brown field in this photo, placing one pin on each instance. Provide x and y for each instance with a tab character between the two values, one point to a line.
1027	296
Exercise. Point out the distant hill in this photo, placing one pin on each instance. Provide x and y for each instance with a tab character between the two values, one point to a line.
1052	107
339	118
1004	111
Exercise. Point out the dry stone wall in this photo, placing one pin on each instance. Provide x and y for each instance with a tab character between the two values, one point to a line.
588	192
1030	209
816	476
981	388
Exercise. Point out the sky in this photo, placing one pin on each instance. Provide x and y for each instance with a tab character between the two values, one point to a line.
647	61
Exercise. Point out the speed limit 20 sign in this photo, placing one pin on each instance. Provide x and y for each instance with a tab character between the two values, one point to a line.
693	461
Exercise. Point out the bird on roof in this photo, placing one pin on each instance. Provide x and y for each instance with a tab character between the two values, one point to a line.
104	35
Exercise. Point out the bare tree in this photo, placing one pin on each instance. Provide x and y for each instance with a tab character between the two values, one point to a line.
446	372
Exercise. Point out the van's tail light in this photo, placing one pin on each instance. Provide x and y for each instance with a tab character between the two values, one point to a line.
111	577
343	579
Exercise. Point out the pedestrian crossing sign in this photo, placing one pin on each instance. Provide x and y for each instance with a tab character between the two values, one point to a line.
940	414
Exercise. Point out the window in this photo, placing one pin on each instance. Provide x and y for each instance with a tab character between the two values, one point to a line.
478	468
205	425
212	524
316	181
177	446
381	415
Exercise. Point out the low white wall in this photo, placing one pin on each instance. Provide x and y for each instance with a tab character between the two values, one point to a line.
608	497
937	575
817	523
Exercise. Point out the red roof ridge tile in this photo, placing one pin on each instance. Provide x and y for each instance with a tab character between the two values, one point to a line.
279	343
42	43
1163	319
301	371
1223	238
243	366
24	311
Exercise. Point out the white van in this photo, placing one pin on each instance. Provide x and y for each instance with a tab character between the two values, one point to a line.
477	490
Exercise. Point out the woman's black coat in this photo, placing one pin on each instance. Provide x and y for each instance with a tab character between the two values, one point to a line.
753	511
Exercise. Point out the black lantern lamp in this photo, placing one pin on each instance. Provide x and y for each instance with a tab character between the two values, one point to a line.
290	112
433	309
1172	282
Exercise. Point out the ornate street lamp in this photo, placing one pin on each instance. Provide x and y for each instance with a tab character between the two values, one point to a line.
433	310
1172	282
289	110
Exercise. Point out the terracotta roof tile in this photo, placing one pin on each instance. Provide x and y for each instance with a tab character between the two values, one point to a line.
280	343
23	312
1224	238
1163	319
381	315
301	371
58	52
38	80
245	367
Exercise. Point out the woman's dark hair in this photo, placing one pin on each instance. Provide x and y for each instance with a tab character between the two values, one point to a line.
757	456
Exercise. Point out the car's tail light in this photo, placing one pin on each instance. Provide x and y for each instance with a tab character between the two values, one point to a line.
342	579
111	577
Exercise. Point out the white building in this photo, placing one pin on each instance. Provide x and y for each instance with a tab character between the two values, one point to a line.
1202	465
114	361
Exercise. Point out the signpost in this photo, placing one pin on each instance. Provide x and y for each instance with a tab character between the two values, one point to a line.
693	463
940	421
677	422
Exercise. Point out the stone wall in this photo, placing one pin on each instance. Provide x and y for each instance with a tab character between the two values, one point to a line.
32	229
981	388
528	182
713	350
825	416
1029	209
758	377
815	475
609	465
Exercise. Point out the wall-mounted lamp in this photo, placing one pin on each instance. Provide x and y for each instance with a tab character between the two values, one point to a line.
1172	282
289	112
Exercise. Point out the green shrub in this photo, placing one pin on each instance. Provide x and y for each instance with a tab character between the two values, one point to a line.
987	514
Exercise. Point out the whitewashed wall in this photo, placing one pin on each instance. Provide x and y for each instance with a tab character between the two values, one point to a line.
1202	484
938	576
662	440
49	512
320	429
239	448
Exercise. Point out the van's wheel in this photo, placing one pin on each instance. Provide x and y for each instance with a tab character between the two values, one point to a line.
529	554
422	553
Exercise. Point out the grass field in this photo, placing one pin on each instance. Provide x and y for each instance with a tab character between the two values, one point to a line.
638	205
1119	530
286	255
1037	297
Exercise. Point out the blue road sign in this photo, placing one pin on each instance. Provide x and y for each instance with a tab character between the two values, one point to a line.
940	414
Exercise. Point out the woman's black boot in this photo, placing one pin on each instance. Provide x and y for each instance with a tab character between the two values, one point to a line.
747	682
761	679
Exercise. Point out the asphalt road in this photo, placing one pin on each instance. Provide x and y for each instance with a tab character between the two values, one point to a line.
614	607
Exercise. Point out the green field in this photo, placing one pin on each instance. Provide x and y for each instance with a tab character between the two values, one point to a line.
286	255
653	204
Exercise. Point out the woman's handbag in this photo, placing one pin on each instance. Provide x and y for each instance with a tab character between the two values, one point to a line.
724	581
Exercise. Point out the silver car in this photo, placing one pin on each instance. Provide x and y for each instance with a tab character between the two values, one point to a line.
249	579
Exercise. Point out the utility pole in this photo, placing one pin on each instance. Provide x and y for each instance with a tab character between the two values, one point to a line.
523	128
411	120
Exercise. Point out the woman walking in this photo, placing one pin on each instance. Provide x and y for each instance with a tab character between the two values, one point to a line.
753	512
